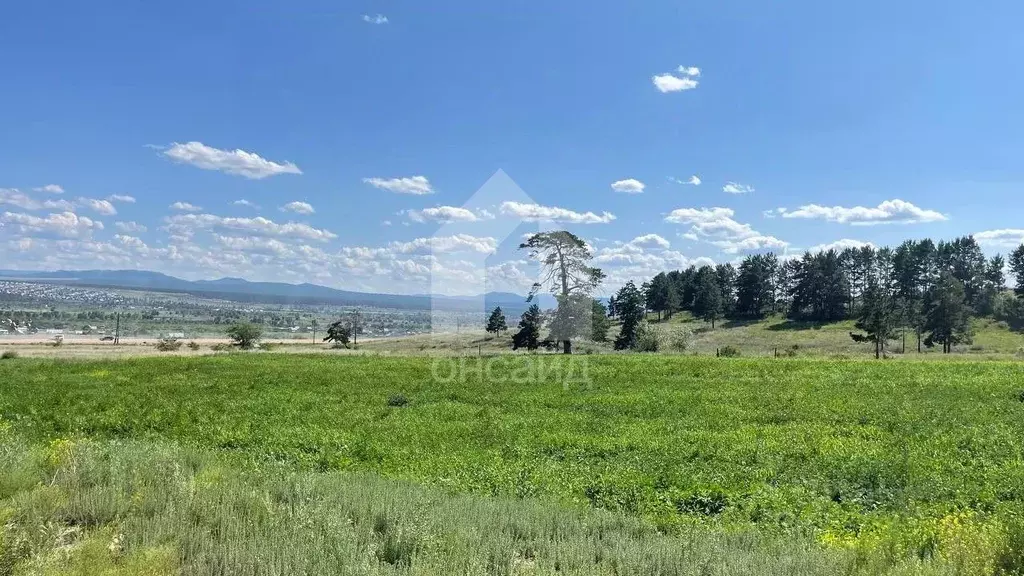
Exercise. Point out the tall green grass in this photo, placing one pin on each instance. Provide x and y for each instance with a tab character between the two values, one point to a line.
147	508
883	459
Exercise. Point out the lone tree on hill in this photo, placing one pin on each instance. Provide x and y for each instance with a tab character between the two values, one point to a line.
707	301
528	335
245	335
878	317
496	322
629	303
948	321
339	332
566	270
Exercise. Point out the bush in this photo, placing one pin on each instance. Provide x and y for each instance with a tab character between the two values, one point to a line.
680	339
728	352
267	346
397	400
9	355
244	335
648	338
220	347
168	344
1009	309
193	346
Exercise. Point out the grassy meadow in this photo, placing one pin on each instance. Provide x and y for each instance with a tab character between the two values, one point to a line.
850	466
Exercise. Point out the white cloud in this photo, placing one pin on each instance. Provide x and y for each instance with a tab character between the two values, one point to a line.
185	207
244	202
186	224
737	188
375	19
298	208
888	212
693	180
839	245
456	243
650	241
717	227
539	213
236	162
628	186
121	198
17	198
386	223
446	214
50	188
417	185
130	227
103	207
67	224
131	241
1002	238
684	78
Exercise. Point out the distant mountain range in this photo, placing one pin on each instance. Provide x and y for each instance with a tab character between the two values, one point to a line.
241	290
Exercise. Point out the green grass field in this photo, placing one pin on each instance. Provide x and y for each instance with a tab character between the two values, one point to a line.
896	463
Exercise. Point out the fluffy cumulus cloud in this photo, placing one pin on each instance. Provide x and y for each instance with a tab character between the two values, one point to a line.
186	225
888	212
65	224
103	207
1002	238
417	185
447	214
375	19
717	227
641	258
737	188
692	180
628	186
455	243
237	162
185	207
540	213
683	78
298	208
246	203
50	189
126	199
18	199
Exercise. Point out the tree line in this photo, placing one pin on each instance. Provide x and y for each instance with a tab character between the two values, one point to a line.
930	289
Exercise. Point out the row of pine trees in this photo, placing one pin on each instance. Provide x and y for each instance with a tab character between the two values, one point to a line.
932	289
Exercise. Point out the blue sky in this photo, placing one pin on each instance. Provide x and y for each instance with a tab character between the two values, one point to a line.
871	122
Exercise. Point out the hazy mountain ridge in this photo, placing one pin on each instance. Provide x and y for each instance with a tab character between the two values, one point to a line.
241	290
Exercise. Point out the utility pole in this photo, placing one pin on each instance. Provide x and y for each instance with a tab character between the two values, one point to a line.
117	330
313	324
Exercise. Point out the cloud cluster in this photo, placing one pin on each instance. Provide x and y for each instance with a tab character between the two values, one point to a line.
448	214
683	78
888	212
185	207
186	225
65	224
1002	238
628	186
236	162
540	213
737	188
717	227
298	208
417	185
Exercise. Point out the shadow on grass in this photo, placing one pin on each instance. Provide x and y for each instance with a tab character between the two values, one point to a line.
791	325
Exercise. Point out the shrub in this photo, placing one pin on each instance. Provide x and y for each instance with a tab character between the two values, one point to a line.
397	400
9	355
648	338
267	346
220	347
728	352
193	346
168	344
245	335
680	339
